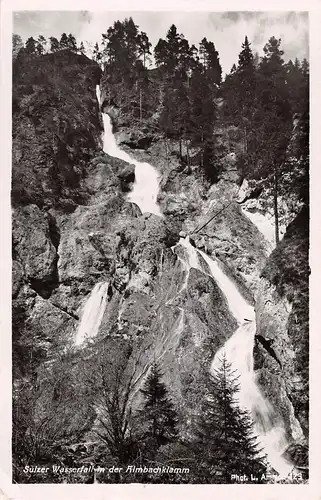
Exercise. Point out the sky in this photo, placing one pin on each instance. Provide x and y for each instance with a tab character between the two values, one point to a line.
226	29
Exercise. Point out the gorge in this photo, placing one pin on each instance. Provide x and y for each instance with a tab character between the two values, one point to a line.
238	349
127	255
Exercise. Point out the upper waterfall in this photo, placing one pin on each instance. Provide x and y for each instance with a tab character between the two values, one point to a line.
146	185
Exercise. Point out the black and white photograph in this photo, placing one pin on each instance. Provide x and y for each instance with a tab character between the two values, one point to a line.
160	247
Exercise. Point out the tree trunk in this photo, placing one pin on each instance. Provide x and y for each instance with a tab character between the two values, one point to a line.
202	150
276	212
180	148
166	149
140	104
245	140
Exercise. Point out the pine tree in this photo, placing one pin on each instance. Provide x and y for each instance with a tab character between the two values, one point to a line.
17	45
159	418
273	121
144	47
64	44
203	111
168	114
41	45
182	108
245	94
30	45
228	91
72	43
81	48
97	55
211	62
54	44
225	440
167	52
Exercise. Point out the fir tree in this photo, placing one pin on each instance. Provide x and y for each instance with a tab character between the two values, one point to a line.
158	414
225	440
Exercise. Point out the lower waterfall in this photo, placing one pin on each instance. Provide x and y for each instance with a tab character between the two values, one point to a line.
93	313
238	350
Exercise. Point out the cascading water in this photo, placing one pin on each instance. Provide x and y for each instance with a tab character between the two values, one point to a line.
144	194
263	224
146	185
93	313
238	350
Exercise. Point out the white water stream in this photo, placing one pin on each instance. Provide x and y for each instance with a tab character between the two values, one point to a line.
93	313
238	348
144	194
146	185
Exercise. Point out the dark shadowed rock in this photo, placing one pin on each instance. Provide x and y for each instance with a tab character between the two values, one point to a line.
32	243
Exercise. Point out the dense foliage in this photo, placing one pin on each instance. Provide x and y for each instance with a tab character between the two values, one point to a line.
95	400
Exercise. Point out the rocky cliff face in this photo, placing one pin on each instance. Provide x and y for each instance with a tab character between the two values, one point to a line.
73	227
282	318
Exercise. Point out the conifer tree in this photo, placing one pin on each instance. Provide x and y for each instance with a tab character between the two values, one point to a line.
17	45
82	48
225	440
97	55
41	45
64	44
144	46
245	95
30	45
203	111
273	121
182	107
210	60
167	51
72	43
158	414
54	44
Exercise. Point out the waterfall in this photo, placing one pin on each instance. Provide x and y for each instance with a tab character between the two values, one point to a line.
238	350
93	313
263	224
146	185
